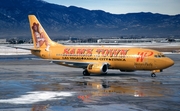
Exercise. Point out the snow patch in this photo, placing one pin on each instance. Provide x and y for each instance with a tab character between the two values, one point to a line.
37	96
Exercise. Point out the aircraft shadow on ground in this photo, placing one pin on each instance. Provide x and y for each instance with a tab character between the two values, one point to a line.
115	74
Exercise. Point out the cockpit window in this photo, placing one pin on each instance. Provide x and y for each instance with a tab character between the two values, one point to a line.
163	55
159	55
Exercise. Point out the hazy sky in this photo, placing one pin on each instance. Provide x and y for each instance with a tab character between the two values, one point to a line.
170	7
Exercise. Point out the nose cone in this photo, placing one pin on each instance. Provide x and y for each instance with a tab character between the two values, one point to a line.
169	62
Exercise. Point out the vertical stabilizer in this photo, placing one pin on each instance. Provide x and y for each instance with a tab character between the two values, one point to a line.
39	36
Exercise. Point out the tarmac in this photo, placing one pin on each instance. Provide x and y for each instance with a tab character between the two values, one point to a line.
29	85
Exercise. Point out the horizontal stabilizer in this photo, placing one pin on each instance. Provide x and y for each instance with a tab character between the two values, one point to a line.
24	48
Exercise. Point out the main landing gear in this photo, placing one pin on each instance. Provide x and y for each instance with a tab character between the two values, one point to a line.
86	73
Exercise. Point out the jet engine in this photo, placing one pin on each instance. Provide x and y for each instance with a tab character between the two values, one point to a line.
99	68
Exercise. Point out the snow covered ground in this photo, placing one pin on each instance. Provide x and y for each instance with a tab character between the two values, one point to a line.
5	50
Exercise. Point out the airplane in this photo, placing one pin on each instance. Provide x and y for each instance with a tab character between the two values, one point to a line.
97	59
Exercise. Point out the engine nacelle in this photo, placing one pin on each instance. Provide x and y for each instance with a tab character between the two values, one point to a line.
99	68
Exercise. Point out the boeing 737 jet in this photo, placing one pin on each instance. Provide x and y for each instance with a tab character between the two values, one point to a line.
96	60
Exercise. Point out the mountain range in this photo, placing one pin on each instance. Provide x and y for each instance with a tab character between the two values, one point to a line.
61	21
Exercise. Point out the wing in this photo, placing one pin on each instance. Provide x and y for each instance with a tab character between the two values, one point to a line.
67	63
78	64
72	63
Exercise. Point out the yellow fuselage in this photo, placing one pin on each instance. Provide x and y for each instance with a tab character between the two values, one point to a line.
118	58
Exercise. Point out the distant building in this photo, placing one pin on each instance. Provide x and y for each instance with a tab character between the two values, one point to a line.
135	40
3	41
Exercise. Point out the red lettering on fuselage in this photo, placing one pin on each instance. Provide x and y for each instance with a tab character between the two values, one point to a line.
100	52
142	55
112	52
123	52
115	52
66	51
74	51
89	51
81	51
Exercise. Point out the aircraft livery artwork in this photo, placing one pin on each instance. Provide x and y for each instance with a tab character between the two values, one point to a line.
97	59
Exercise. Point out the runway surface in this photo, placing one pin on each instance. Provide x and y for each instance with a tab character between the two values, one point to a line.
27	85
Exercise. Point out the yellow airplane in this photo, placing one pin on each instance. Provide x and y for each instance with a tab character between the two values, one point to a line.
96	60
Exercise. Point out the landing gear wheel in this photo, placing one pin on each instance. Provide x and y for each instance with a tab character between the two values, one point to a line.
153	75
86	73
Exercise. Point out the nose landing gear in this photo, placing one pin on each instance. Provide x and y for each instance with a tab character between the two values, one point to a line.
153	75
155	71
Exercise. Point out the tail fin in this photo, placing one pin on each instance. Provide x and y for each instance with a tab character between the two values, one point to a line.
39	36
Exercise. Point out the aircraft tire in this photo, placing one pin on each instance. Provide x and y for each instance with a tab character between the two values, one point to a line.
153	75
86	73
